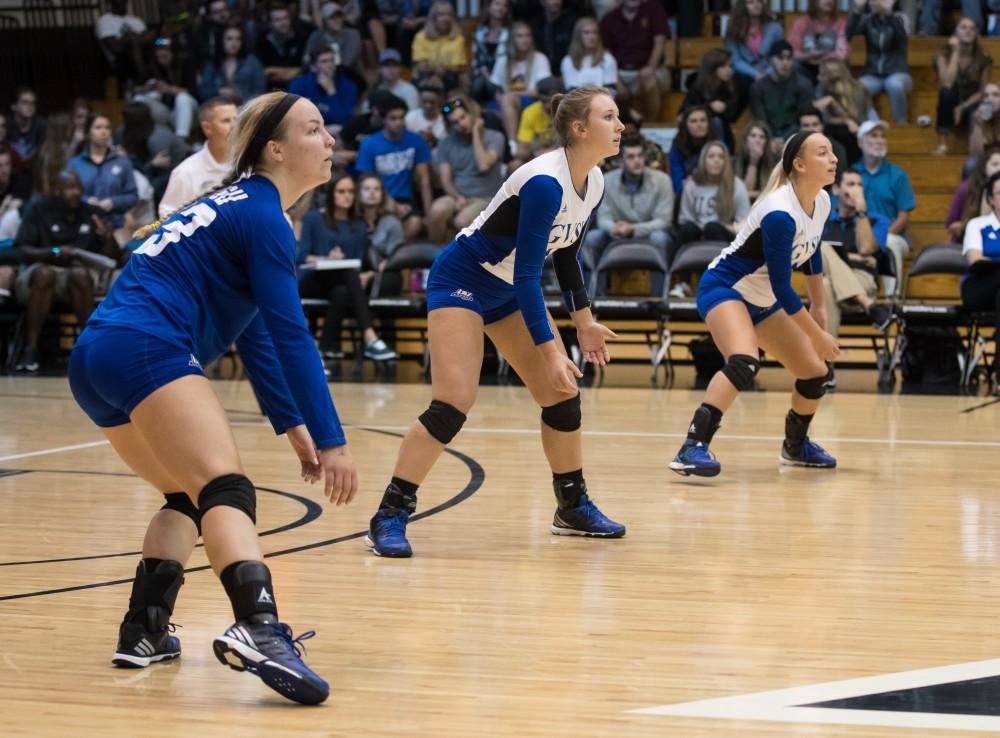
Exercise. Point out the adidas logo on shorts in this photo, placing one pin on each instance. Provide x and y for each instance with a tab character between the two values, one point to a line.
463	295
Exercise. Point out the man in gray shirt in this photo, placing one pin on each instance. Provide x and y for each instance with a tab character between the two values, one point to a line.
468	165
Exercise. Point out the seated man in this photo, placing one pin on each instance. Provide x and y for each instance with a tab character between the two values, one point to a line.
638	203
468	162
852	239
329	88
779	97
54	240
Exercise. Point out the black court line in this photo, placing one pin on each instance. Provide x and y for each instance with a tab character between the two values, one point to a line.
476	477
994	401
313	511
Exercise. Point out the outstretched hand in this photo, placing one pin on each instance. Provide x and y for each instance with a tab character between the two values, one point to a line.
593	337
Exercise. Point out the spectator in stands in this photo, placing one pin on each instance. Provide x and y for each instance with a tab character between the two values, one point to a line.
15	160
534	133
232	73
280	49
635	33
56	234
385	22
587	62
517	74
336	35
981	248
25	128
986	120
106	175
714	88
80	112
439	48
206	39
152	149
553	30
167	92
400	156
329	88
428	120
693	132
205	169
53	154
845	105
385	231
468	162
337	234
778	97
752	31
489	42
811	119
414	18
715	202
14	192
970	200
887	190
930	15
886	67
638	203
853	239
389	79
123	38
755	157
962	69
818	36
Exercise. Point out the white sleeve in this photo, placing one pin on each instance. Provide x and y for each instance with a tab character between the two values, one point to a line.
106	27
973	240
566	68
609	69
540	69
177	193
499	72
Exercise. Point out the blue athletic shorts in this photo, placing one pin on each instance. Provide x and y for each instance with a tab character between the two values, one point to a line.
457	280
112	369
713	291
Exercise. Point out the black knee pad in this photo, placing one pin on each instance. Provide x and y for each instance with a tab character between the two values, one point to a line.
741	370
812	389
564	416
442	421
231	490
180	502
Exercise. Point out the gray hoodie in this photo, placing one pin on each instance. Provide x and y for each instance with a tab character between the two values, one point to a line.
649	209
698	203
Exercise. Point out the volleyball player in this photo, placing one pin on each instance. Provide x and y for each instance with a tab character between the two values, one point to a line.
489	279
747	300
221	269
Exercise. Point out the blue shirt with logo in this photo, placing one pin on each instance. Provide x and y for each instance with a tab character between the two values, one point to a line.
393	161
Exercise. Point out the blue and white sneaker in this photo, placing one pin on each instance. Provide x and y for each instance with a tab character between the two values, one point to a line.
810	454
387	534
695	458
269	651
585	520
138	648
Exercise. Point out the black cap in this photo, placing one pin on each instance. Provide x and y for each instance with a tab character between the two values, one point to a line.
780	47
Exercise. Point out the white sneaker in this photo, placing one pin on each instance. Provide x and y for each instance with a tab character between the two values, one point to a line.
378	351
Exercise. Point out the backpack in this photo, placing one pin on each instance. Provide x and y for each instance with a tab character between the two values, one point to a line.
931	355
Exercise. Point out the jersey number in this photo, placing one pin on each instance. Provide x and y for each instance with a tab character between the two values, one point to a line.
200	214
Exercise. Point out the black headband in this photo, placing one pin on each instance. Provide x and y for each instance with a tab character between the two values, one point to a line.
792	147
269	126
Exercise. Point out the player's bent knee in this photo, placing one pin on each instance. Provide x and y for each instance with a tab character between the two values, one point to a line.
812	389
181	502
229	490
442	421
741	370
564	416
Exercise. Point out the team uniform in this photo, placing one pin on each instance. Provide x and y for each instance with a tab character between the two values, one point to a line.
219	271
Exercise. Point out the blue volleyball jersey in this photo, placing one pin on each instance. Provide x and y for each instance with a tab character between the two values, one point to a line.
777	236
222	270
536	211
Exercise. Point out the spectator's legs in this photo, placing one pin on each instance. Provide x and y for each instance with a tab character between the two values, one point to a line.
595	242
874	85
510	108
663	242
688	232
439	219
832	306
338	298
843	285
897	86
184	110
473	207
42	285
717	232
973	9
377	31
649	91
930	17
81	293
899	247
982	292
413	226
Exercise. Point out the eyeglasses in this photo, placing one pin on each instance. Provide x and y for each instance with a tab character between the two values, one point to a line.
452	105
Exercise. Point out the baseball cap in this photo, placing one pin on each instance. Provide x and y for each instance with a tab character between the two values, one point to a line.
780	47
329	9
870	125
389	55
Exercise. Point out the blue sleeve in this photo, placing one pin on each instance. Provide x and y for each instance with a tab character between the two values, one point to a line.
903	193
366	157
423	153
298	87
778	233
129	194
269	253
264	371
880	228
676	168
740	65
540	199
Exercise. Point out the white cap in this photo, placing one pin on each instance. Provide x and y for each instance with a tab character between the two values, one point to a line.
870	125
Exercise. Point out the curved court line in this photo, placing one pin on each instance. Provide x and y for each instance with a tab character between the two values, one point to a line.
313	511
476	477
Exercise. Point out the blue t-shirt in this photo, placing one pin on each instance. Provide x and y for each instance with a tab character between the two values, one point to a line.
336	108
393	161
222	270
888	191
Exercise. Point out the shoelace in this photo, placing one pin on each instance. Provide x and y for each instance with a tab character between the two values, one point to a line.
284	633
395	525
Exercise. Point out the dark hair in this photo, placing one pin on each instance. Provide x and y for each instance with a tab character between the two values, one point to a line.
632	142
977	183
846	170
707	80
91	119
137	127
686	144
277	6
739	21
331	201
51	157
994	178
810	111
220	50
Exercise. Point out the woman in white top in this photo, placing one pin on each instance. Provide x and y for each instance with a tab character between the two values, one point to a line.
715	201
517	75
588	63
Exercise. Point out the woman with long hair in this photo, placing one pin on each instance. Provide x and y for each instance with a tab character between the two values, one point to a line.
489	280
818	35
234	73
986	120
844	103
588	62
752	29
489	43
219	271
755	157
747	300
962	69
693	131
715	201
338	234
517	74
716	88
54	153
107	176
385	231
439	48
970	200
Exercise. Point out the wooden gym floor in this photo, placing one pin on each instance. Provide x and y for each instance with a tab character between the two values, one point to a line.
878	576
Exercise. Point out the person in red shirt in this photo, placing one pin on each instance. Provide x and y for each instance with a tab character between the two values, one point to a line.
635	33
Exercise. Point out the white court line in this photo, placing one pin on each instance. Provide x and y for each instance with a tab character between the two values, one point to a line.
56	450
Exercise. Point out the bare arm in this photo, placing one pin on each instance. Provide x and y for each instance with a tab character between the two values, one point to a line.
423	176
485	158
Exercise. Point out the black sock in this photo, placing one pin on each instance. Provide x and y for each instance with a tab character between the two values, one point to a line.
569	488
154	592
248	585
796	427
704	424
400	495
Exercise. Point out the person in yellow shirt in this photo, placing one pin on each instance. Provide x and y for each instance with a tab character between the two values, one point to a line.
439	49
534	133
